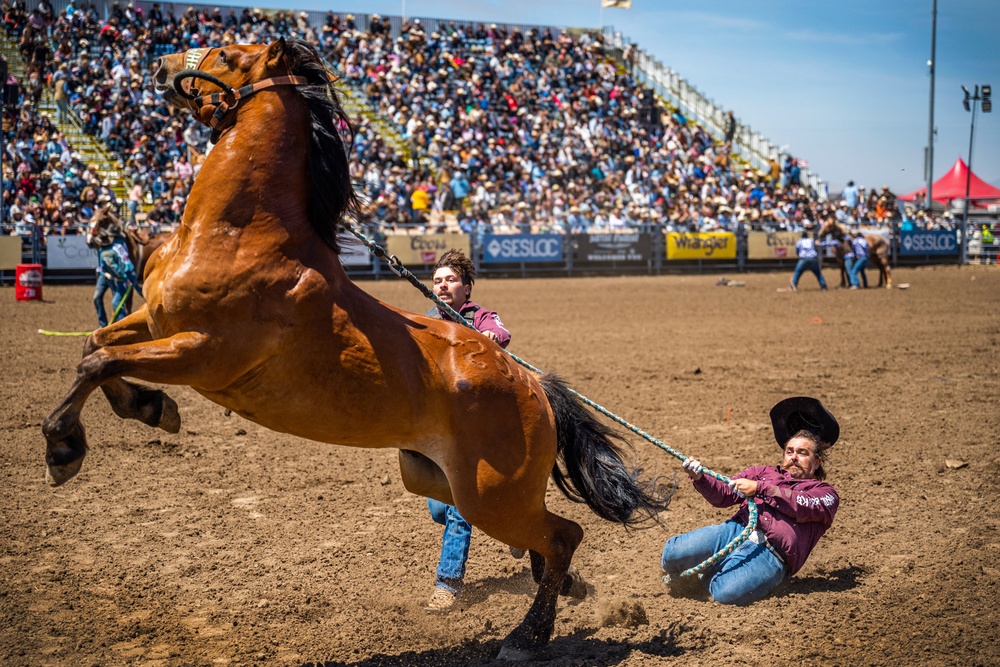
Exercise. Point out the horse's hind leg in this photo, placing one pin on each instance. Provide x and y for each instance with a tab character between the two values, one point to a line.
562	536
129	400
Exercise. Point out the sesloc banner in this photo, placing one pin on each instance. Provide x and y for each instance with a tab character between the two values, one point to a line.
517	248
928	242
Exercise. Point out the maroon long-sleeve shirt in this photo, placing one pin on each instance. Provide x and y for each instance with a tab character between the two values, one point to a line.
792	513
481	318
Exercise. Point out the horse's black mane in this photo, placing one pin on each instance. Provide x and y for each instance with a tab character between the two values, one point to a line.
332	194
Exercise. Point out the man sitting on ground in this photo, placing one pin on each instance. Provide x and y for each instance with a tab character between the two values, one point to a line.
795	507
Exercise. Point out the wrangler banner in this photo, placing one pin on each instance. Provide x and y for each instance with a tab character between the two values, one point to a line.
426	249
701	245
772	245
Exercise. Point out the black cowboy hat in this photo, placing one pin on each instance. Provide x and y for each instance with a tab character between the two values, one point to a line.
802	413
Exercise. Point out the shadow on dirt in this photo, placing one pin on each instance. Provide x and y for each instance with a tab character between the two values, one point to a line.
836	581
578	648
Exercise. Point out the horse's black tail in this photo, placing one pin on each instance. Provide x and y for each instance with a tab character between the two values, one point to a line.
589	468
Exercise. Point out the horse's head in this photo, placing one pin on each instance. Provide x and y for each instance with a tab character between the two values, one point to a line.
215	84
211	82
102	229
830	226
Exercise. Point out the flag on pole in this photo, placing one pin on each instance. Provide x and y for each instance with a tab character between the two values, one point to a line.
620	4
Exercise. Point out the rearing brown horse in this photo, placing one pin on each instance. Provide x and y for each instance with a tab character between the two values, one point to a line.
878	252
248	304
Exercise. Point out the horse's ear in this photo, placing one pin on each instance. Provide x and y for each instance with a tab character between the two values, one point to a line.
275	52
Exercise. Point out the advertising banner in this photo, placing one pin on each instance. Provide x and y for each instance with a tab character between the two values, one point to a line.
615	247
353	252
931	242
69	252
10	252
701	245
772	245
426	249
516	248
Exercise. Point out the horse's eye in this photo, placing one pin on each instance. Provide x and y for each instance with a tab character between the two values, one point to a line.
222	57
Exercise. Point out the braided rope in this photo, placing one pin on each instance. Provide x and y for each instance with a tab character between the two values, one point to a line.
397	267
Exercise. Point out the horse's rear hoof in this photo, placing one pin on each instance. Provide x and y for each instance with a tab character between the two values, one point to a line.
574	586
512	654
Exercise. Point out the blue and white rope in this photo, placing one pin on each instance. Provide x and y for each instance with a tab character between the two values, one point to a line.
397	267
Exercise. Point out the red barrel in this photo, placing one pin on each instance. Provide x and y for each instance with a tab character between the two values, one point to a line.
28	282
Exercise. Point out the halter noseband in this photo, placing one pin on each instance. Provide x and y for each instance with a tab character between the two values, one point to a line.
230	97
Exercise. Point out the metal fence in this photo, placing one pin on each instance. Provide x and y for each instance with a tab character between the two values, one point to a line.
646	251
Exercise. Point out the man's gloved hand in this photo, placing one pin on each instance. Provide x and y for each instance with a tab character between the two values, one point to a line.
693	468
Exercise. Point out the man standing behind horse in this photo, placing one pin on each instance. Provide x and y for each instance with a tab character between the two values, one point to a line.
795	508
115	270
453	277
860	246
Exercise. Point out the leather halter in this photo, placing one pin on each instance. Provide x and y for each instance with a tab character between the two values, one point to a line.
230	97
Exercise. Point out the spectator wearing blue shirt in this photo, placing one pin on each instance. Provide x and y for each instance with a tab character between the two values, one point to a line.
460	188
850	195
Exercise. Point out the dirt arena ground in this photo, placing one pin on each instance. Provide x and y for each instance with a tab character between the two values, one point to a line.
228	544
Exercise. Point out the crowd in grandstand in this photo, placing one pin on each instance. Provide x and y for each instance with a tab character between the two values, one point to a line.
537	130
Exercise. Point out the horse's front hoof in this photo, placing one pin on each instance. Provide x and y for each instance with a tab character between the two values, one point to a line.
57	475
64	451
170	416
511	654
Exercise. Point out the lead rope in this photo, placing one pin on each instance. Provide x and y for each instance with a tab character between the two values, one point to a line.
396	266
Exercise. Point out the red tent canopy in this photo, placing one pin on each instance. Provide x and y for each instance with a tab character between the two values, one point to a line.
952	186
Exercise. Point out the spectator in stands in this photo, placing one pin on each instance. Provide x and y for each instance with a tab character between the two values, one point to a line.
454	275
796	507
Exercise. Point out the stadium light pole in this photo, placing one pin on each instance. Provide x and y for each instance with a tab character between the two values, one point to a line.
974	98
930	139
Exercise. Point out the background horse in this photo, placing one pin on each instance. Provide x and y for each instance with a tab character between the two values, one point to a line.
247	303
878	252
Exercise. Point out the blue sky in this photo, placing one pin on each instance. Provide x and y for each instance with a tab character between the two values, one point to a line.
845	85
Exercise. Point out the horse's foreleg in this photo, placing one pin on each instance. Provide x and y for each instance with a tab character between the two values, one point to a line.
180	359
128	400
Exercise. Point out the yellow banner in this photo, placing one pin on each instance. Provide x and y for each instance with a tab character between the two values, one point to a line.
772	245
426	249
702	245
620	4
10	252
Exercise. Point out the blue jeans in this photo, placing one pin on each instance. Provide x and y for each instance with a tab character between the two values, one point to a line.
858	273
454	544
812	265
849	271
118	289
744	576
